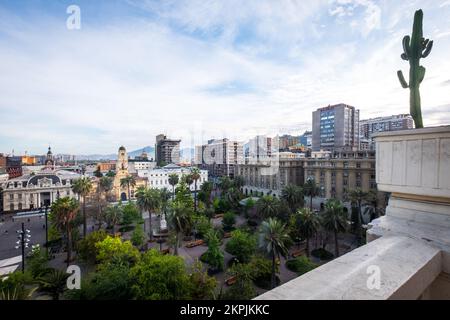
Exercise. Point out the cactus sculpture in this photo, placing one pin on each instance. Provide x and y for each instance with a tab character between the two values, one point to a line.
415	48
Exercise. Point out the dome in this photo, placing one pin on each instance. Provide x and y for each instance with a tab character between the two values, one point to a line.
122	148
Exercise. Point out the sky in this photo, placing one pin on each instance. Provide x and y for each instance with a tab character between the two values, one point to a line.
202	69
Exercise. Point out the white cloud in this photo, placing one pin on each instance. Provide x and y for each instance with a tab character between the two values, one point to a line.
123	83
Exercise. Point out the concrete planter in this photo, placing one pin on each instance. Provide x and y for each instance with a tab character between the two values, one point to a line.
414	162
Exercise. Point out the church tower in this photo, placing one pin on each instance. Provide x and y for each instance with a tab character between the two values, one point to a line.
49	161
121	172
122	160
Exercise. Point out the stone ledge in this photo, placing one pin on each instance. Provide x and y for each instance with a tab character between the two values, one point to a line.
408	266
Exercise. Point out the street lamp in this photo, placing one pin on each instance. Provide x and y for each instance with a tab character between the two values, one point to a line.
24	238
46	228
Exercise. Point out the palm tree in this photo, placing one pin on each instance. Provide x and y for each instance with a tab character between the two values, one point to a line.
238	182
293	195
64	212
268	206
274	239
128	182
106	185
225	183
309	224
113	215
180	219
357	196
205	192
53	283
165	195
83	187
311	190
148	199
195	174
173	181
335	220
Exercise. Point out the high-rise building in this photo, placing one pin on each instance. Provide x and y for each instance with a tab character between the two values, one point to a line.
167	150
260	148
368	127
335	128
219	156
306	139
286	141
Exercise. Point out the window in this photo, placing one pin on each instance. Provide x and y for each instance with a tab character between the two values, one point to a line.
11	196
358	164
11	207
20	205
20	196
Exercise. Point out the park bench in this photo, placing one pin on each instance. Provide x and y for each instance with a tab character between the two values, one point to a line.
297	253
165	251
117	234
231	280
219	215
194	243
227	235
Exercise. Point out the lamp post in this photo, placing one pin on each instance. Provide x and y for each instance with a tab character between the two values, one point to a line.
24	238
46	228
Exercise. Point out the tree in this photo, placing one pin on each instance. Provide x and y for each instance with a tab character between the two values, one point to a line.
138	237
335	220
242	245
160	277
109	282
98	173
309	224
173	181
165	197
114	250
148	199
128	182
110	174
358	196
106	185
113	215
202	225
16	286
83	187
205	193
63	213
130	214
228	221
188	179
201	284
195	174
53	283
268	207
86	248
213	256
180	218
238	182
243	288
311	190
274	240
225	183
293	195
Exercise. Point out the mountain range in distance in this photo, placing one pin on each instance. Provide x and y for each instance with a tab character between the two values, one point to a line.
185	154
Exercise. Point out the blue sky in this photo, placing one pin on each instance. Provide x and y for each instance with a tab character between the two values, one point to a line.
201	69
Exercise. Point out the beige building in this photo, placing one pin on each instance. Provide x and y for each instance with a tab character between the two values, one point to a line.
270	177
338	172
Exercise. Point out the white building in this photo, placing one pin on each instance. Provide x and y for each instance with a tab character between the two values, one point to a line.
36	189
135	166
159	178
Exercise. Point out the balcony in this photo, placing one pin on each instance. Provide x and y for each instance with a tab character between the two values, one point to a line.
408	250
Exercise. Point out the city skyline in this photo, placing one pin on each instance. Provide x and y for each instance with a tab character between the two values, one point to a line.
199	70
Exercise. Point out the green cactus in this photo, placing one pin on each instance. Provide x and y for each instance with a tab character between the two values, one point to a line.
415	48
